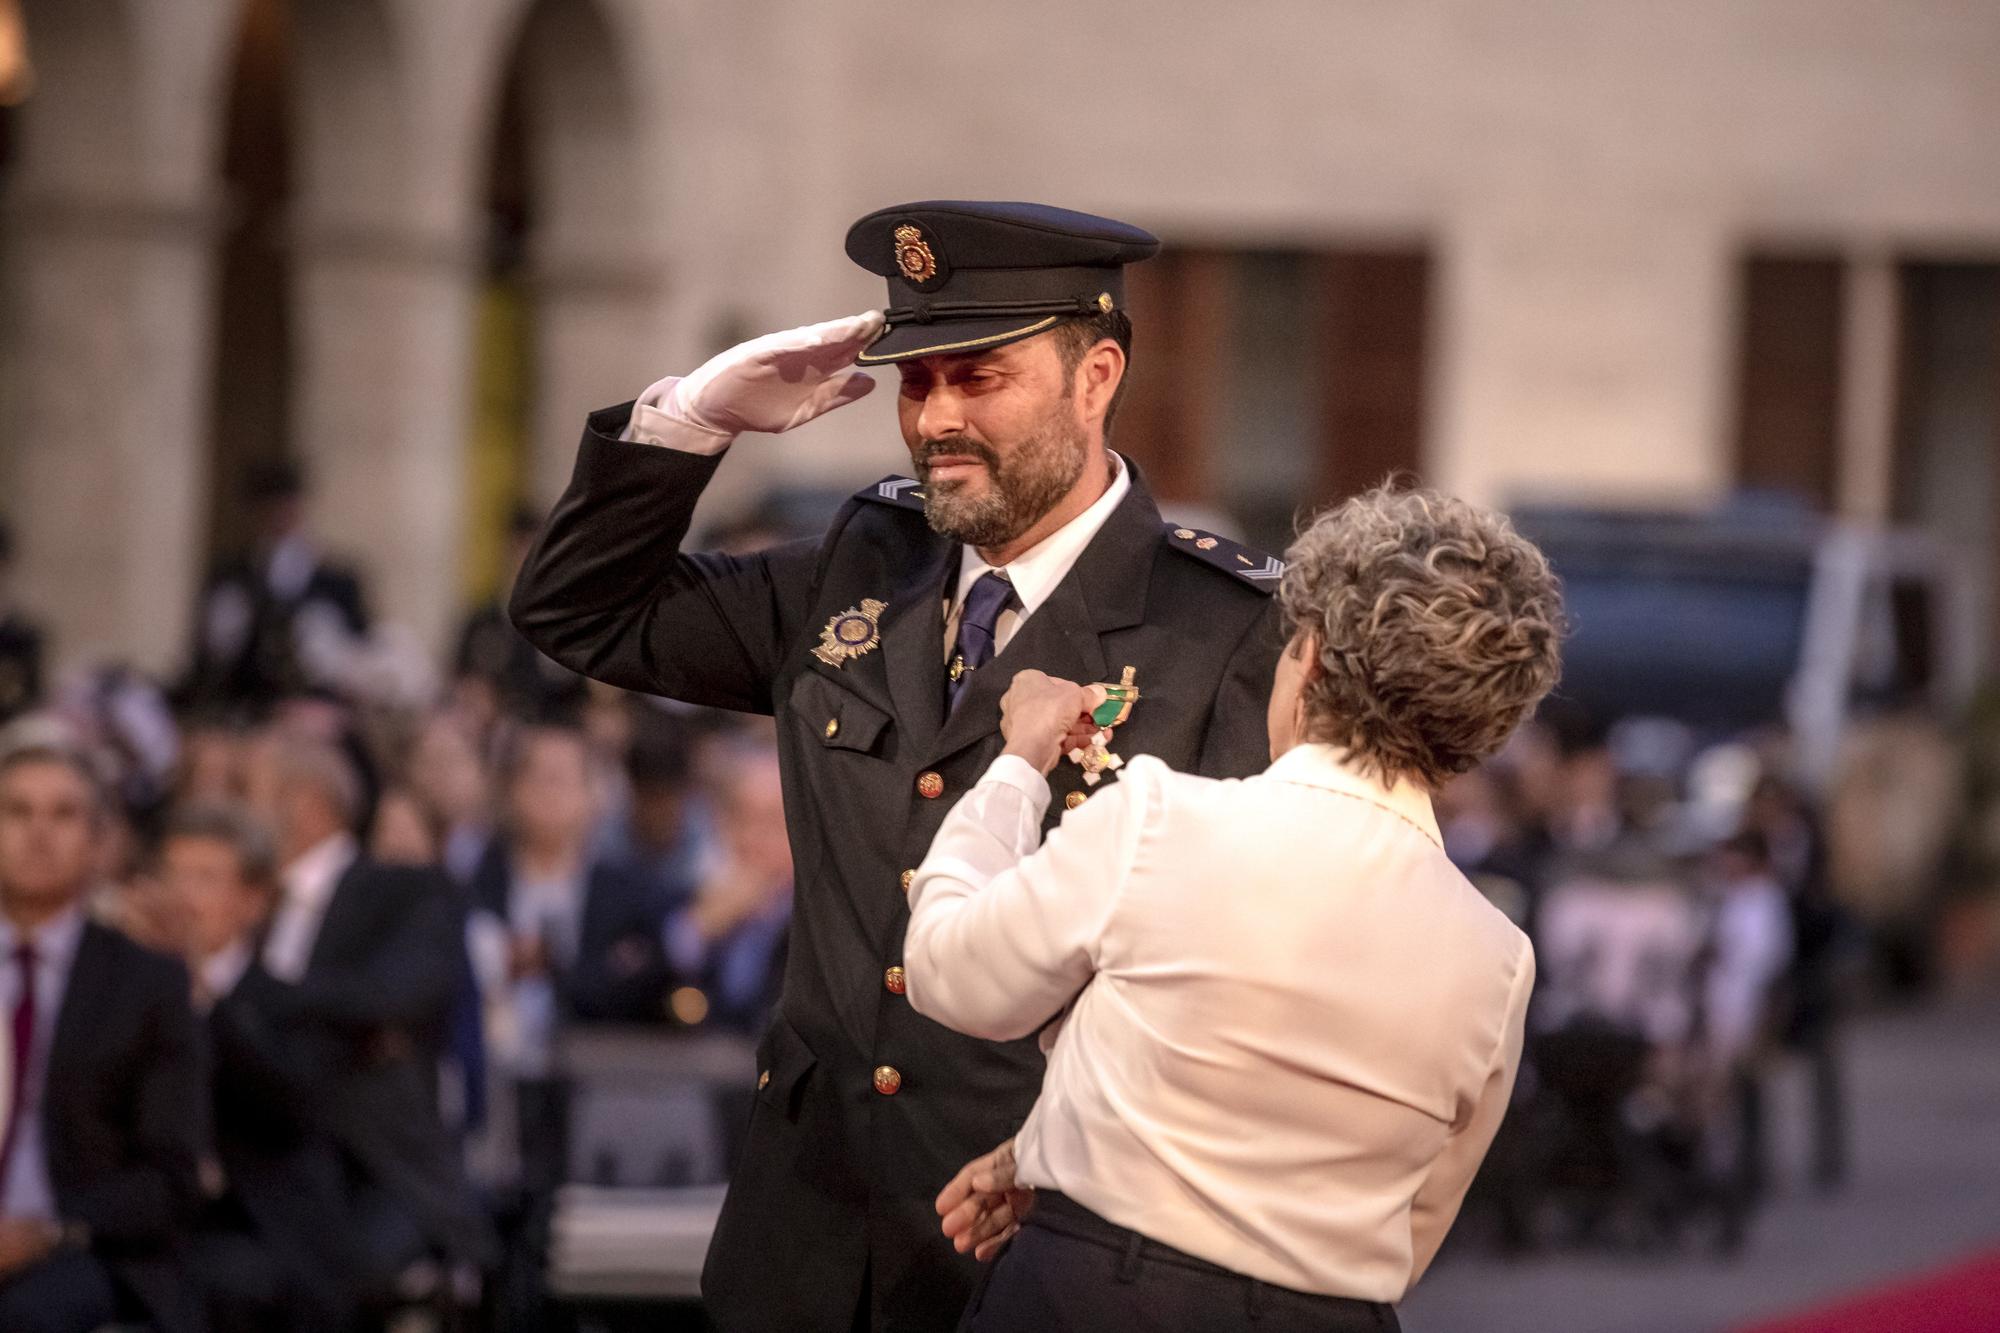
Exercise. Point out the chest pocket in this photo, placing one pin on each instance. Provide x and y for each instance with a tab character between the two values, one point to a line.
840	721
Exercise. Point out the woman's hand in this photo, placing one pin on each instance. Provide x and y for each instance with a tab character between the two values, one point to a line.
1043	717
982	1208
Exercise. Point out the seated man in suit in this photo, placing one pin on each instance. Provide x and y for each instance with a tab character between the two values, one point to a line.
269	1249
364	961
98	1162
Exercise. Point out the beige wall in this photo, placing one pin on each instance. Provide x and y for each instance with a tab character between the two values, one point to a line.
1585	174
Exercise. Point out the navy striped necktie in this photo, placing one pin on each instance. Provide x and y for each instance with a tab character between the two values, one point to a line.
991	594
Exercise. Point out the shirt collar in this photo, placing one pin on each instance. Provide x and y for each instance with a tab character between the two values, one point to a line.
312	875
1036	571
1323	766
55	941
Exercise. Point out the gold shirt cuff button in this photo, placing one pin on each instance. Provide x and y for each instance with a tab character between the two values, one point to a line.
909	878
763	1080
894	980
832	727
888	1080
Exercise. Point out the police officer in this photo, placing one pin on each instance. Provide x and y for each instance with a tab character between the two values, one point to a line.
883	648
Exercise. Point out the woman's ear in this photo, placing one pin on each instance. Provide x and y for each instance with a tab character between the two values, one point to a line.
1306	644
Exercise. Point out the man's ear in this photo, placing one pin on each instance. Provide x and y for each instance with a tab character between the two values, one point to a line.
1098	376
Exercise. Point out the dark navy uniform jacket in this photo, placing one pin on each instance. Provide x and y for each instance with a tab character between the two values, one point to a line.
864	1109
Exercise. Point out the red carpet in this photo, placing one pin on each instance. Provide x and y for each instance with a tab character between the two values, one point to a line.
1964	1298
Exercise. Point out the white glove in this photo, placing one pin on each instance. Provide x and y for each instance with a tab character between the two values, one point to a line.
771	384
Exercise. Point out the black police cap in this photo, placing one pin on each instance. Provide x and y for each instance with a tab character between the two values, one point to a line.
965	276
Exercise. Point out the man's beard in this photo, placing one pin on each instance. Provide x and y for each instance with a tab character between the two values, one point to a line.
1039	472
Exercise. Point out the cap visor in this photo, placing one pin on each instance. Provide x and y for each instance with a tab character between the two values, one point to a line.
906	342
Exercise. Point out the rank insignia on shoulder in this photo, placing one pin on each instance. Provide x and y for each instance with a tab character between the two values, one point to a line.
1246	563
851	633
902	492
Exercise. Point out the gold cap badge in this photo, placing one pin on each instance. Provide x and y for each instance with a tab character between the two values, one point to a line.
913	254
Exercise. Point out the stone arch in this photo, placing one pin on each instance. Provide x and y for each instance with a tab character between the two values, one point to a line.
568	295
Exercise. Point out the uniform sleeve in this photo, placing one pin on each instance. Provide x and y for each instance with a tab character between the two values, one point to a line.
1002	935
1237	743
607	591
1438	1198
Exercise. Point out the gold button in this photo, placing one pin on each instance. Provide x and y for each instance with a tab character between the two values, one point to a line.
832	727
1185	534
909	878
930	785
888	1080
894	980
763	1080
1074	799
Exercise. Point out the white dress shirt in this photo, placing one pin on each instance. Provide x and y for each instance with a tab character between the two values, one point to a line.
1295	1024
309	884
28	1192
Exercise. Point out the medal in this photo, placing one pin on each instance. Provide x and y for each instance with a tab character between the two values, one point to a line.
851	633
1096	758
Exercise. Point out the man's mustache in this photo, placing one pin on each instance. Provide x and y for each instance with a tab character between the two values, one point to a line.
956	446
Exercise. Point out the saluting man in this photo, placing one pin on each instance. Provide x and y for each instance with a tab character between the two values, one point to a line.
884	648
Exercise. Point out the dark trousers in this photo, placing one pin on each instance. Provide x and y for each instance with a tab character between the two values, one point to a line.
68	1292
1071	1269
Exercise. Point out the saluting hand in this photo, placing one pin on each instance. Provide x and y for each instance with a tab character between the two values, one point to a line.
775	382
1043	718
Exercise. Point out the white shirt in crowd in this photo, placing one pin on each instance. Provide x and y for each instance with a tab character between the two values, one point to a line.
1295	1026
309	882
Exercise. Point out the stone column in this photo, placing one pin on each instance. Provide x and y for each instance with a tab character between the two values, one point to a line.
598	342
383	326
1871	334
110	361
1583	358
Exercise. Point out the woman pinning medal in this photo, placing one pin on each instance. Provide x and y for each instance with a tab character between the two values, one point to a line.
1289	1025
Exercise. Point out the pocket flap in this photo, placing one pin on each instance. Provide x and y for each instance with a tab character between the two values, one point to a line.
783	1061
842	721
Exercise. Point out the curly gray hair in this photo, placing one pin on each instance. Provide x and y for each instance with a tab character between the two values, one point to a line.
1439	629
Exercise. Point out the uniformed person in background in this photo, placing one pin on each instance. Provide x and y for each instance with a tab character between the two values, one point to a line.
883	648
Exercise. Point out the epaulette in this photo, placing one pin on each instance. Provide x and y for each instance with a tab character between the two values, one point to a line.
902	492
1252	566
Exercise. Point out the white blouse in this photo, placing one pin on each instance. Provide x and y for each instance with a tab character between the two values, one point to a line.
1295	1025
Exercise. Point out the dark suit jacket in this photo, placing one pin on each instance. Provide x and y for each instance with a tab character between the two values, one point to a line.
281	1169
368	1022
619	973
124	1116
837	1180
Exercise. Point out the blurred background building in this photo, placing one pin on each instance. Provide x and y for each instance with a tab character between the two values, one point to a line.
305	301
1530	250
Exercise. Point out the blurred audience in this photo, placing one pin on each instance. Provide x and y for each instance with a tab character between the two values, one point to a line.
729	939
496	672
271	1248
279	617
99	1180
576	935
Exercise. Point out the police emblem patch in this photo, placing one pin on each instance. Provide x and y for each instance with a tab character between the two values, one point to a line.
851	633
913	254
